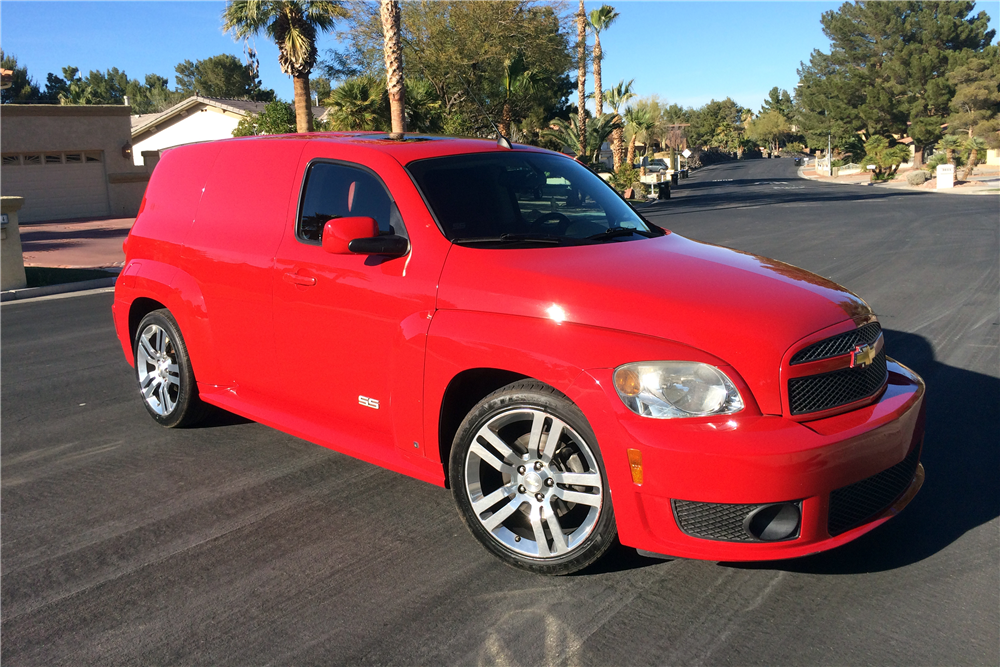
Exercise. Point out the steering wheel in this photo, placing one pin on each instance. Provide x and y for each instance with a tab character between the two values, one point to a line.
562	220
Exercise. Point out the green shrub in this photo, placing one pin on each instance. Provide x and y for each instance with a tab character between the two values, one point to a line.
276	118
624	178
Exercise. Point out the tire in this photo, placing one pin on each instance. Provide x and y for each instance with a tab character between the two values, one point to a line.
163	372
542	509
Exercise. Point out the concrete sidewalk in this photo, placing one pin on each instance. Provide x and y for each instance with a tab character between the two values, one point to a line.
984	180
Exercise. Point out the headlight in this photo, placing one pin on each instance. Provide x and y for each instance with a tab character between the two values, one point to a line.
671	389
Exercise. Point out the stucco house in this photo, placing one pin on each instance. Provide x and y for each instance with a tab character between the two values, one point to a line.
70	161
194	119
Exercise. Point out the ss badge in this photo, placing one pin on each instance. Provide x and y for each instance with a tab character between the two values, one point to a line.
368	402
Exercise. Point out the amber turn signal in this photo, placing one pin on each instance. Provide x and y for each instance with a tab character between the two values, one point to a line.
635	465
627	383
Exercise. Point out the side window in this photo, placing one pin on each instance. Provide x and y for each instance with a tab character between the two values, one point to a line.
339	191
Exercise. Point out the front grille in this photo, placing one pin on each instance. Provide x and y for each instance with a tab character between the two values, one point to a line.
713	521
858	503
830	390
839	344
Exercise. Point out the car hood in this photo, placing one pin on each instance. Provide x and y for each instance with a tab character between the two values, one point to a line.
744	309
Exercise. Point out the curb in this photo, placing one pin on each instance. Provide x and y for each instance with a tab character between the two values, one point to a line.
48	290
905	187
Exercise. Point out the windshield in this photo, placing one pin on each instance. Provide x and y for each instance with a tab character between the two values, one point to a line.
524	197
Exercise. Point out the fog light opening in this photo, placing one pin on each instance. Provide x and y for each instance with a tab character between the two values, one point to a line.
770	523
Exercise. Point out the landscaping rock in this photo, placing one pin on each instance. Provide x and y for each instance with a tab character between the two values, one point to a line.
917	177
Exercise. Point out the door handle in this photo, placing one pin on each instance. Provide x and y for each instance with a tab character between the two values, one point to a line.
296	279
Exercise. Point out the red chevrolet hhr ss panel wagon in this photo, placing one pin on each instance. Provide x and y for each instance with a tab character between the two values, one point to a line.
498	320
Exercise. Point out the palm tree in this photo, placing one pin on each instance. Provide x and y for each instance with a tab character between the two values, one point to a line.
618	96
292	24
973	145
600	19
950	143
358	104
581	74
641	121
393	65
567	133
424	111
517	78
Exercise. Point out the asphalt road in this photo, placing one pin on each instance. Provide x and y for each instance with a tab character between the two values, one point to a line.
234	544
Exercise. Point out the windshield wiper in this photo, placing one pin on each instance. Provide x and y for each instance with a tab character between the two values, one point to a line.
616	232
511	238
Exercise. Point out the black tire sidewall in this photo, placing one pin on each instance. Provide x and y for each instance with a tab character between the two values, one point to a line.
526	394
188	409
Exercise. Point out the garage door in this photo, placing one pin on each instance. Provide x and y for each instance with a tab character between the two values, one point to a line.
56	186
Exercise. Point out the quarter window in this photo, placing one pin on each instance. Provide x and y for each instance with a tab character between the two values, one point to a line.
339	191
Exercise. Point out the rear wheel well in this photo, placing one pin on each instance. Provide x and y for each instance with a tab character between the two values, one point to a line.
139	309
463	392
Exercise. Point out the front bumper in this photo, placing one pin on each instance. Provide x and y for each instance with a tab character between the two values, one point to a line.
753	459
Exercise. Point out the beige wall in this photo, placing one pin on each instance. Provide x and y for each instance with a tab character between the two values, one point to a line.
49	128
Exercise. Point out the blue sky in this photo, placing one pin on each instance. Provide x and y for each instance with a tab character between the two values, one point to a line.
685	52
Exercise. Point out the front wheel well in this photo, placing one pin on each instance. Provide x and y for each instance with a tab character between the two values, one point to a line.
463	392
139	309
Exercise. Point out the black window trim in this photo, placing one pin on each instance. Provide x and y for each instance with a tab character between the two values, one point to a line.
342	163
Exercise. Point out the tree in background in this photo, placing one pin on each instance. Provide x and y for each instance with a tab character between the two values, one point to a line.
362	103
600	20
581	74
423	108
886	70
277	118
886	158
716	125
460	48
389	10
220	76
567	135
638	121
617	97
949	144
23	88
780	101
518	79
975	108
320	88
292	25
358	104
975	146
768	129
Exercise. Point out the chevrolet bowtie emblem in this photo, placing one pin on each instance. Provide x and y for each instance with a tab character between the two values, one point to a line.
863	355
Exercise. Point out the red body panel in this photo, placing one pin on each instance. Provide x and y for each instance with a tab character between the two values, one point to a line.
357	352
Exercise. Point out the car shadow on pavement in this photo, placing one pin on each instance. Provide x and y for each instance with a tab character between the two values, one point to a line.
961	457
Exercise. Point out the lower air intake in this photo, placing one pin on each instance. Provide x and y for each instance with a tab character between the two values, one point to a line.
854	505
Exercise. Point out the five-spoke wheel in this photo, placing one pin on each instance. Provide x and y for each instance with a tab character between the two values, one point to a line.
528	477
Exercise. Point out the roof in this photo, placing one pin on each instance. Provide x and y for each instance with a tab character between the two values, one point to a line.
142	123
412	147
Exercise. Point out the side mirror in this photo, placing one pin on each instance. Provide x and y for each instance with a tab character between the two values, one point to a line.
339	232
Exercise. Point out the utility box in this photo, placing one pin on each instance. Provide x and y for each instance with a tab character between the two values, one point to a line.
11	260
945	176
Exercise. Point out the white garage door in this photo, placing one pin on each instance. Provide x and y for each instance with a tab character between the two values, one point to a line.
56	186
